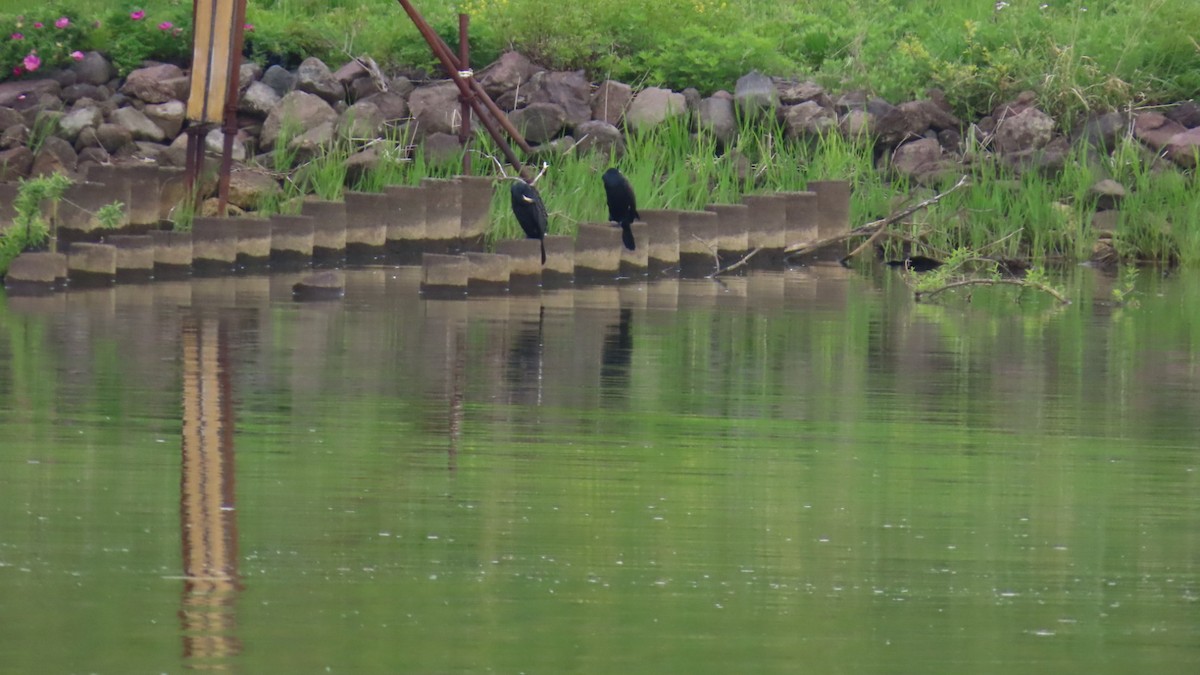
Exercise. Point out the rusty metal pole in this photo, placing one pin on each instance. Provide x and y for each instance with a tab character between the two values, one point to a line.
464	63
441	51
230	125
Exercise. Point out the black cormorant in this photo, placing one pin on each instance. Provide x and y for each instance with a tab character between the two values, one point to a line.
622	205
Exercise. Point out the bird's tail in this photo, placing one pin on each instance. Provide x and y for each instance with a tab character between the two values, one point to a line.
627	235
543	243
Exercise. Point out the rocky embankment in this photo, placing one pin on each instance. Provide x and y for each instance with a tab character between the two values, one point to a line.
86	115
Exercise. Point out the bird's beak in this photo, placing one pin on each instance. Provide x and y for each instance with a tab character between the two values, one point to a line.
528	200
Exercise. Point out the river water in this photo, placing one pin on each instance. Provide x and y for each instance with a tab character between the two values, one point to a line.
780	473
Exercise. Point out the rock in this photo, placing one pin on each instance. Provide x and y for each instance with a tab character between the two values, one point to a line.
755	93
652	106
248	73
10	118
435	108
149	151
95	155
1183	148
74	122
113	137
856	124
77	92
155	84
925	114
40	270
716	115
361	88
692	98
13	136
18	93
891	125
950	140
65	78
279	79
210	208
507	73
15	164
917	157
362	121
323	285
1025	100
794	93
391	105
1108	194
214	142
1186	113
401	85
360	164
851	100
539	122
140	127
600	136
442	149
1048	160
94	69
1103	131
55	156
808	119
349	72
298	110
310	143
248	188
610	101
1029	129
168	116
314	77
570	91
259	100
1155	130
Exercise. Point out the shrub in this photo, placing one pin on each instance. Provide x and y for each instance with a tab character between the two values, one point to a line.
35	43
130	36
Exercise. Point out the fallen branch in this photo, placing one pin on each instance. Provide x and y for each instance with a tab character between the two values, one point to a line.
879	225
745	259
919	295
712	249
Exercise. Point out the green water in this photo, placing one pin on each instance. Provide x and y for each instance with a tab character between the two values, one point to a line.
800	472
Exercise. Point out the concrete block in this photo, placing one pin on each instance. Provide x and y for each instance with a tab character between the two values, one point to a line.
254	243
323	285
801	219
443	214
597	252
406	226
291	242
36	272
75	213
329	231
525	262
367	215
214	245
732	225
697	243
833	207
488	273
135	256
477	194
662	249
766	229
172	254
92	264
144	185
444	276
634	263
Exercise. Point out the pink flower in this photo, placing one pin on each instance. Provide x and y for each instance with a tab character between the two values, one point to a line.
77	55
32	62
17	70
62	22
250	26
18	36
137	15
166	25
37	24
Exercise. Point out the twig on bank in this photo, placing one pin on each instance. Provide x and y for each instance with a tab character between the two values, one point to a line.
879	226
745	259
713	250
925	295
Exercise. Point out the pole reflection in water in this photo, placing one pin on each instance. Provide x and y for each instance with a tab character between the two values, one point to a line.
524	371
207	518
615	357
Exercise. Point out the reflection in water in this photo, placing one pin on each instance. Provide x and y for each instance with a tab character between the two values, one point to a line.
615	358
525	360
208	520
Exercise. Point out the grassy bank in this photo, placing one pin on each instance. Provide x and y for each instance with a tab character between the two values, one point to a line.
1078	54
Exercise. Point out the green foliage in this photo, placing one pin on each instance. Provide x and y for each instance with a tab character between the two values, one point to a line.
29	229
111	215
37	41
1125	291
132	34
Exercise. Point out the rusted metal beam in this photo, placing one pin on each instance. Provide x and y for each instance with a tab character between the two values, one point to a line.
464	63
230	125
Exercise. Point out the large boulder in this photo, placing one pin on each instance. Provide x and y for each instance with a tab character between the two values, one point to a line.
1184	147
279	79
361	121
755	93
652	106
55	156
1186	113
18	93
71	124
570	91
1029	129
168	116
1103	131
925	114
600	136
539	122
391	105
808	119
248	188
436	108
917	157
93	69
508	72
214	142
314	77
10	118
299	110
15	164
259	100
1156	130
715	114
142	128
610	101
156	84
795	93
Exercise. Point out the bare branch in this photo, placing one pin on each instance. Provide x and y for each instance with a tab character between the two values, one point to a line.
745	259
925	295
712	249
879	225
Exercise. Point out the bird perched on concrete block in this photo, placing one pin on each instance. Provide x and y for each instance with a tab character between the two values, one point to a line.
527	206
622	205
